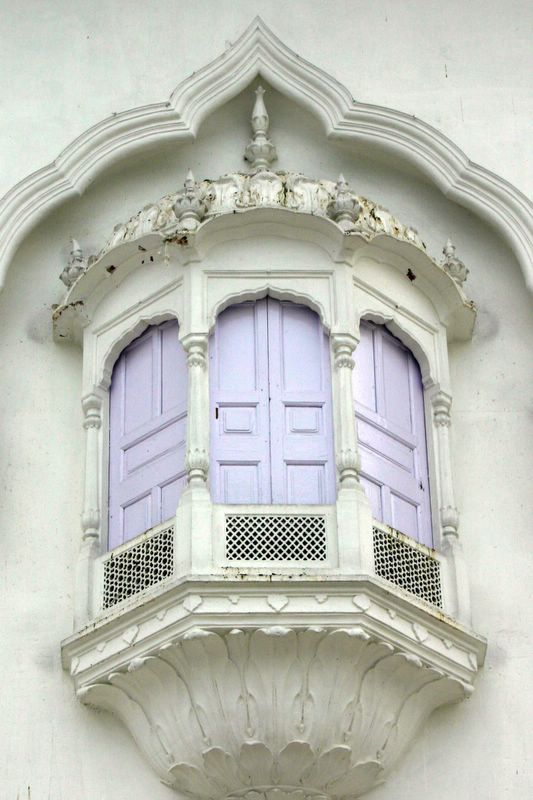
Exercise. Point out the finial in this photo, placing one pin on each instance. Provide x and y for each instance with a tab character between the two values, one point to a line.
453	265
189	207
344	208
76	264
260	151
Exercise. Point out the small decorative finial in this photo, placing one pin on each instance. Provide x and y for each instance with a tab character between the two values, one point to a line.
76	264
344	208
189	207
453	265
260	152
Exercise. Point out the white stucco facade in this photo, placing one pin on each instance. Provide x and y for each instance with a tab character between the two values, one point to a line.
462	70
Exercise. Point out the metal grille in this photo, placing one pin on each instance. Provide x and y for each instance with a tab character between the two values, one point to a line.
407	565
141	566
276	537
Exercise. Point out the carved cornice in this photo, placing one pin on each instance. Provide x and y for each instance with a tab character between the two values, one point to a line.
259	50
181	214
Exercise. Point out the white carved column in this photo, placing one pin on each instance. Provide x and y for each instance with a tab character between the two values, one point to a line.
449	517
91	518
194	546
354	519
197	462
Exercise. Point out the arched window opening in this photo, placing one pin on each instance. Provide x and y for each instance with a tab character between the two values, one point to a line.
147	432
271	418
389	407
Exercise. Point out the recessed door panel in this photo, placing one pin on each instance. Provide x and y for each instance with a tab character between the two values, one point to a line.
147	431
271	419
391	430
238	375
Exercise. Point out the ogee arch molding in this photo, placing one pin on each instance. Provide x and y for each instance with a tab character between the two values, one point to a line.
259	51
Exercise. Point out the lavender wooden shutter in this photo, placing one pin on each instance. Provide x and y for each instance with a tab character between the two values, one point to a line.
391	431
238	375
271	427
147	429
300	406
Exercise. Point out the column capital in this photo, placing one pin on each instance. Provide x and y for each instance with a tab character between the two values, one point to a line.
196	346
197	465
449	518
441	403
343	346
92	408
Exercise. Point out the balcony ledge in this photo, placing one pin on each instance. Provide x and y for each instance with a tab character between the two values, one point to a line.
271	682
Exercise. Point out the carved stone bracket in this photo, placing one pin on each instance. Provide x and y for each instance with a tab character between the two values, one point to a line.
275	710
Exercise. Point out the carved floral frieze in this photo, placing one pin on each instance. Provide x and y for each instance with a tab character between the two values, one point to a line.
197	203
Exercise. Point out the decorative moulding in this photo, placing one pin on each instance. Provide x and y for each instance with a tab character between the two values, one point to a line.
271	687
187	223
259	51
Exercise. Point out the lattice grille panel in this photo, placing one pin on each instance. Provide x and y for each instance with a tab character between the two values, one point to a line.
141	566
276	537
407	566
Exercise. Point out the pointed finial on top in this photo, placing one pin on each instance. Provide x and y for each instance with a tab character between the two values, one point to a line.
260	118
75	247
342	186
453	265
76	264
344	207
260	152
190	181
189	207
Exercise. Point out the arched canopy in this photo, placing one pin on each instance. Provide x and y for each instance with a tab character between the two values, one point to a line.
259	51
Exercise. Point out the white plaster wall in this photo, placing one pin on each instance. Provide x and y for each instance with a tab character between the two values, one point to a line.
463	67
50	746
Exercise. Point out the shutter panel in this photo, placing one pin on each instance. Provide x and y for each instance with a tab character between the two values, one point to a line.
271	422
391	431
300	406
238	374
147	431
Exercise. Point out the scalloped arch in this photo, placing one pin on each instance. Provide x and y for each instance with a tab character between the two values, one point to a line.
258	50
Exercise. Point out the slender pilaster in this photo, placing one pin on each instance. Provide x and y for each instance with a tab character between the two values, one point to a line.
354	520
347	455
91	518
449	517
194	545
197	461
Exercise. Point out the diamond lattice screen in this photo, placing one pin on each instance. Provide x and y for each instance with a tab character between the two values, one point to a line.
407	566
141	566
276	537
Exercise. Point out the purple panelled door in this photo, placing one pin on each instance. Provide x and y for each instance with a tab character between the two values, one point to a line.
147	429
271	432
391	430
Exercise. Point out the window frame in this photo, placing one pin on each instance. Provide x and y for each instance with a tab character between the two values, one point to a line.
342	286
